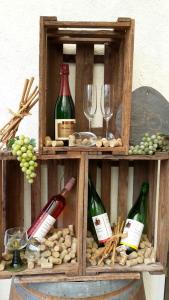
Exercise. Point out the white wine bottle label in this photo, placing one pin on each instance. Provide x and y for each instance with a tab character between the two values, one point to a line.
134	231
64	128
43	226
102	227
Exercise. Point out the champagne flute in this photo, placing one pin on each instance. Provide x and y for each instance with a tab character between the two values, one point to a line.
106	105
90	102
15	240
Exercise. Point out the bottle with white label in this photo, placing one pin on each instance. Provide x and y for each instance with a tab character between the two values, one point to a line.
136	220
98	221
64	109
49	213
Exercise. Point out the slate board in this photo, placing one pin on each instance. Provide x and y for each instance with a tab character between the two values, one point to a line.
150	113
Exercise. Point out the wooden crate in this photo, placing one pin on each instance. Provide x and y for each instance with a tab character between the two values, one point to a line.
120	176
117	38
51	174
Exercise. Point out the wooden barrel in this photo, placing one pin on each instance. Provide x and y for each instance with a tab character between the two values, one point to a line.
90	290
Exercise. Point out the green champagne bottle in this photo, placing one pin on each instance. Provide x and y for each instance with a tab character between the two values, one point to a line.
136	220
64	108
98	221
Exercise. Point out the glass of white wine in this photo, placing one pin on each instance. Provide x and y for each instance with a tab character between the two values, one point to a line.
90	102
15	240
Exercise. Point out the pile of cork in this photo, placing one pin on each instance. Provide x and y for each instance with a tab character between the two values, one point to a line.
145	254
58	247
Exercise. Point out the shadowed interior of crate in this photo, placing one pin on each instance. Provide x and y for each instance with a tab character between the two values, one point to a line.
119	183
23	202
85	57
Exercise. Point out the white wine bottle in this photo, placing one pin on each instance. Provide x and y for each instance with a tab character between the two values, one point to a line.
98	220
136	220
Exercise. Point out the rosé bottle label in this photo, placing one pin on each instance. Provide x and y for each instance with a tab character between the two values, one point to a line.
134	231
102	227
43	226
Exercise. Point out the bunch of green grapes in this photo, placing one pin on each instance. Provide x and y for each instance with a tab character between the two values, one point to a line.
150	144
24	148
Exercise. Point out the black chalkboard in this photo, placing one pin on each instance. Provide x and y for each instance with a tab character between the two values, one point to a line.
150	113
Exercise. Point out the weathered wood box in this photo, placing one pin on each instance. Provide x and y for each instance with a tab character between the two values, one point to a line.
117	59
119	180
20	203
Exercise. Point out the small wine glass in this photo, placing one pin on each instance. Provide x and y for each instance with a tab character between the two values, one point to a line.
15	240
106	105
90	102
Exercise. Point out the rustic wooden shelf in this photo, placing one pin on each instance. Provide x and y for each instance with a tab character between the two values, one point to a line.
157	267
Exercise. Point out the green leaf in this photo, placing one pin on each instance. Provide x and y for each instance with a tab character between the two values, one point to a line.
33	142
11	142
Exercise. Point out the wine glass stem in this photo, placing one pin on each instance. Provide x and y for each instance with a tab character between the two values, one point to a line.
107	127
90	121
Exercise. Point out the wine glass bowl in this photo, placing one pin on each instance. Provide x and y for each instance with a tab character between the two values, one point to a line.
106	104
15	240
90	102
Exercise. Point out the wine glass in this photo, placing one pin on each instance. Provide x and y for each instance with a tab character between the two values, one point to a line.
106	105
15	240
90	102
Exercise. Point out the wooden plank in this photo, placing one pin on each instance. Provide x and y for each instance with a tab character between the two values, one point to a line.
36	194
2	208
111	76
14	197
85	214
84	75
58	277
157	267
152	179
93	171
140	175
106	184
66	269
82	40
42	82
121	25
71	58
163	213
80	212
53	177
123	189
54	60
85	33
127	84
71	168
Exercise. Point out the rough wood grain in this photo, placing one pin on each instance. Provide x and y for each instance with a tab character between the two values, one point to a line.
152	179
70	24
85	33
42	83
59	277
163	213
54	60
36	194
123	189
2	207
106	184
80	211
127	84
140	175
14	195
84	75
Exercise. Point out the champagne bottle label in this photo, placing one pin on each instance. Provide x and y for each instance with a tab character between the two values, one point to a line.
102	227
64	128
134	230
42	227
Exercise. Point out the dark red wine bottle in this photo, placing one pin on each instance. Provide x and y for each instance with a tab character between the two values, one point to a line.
64	108
49	213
